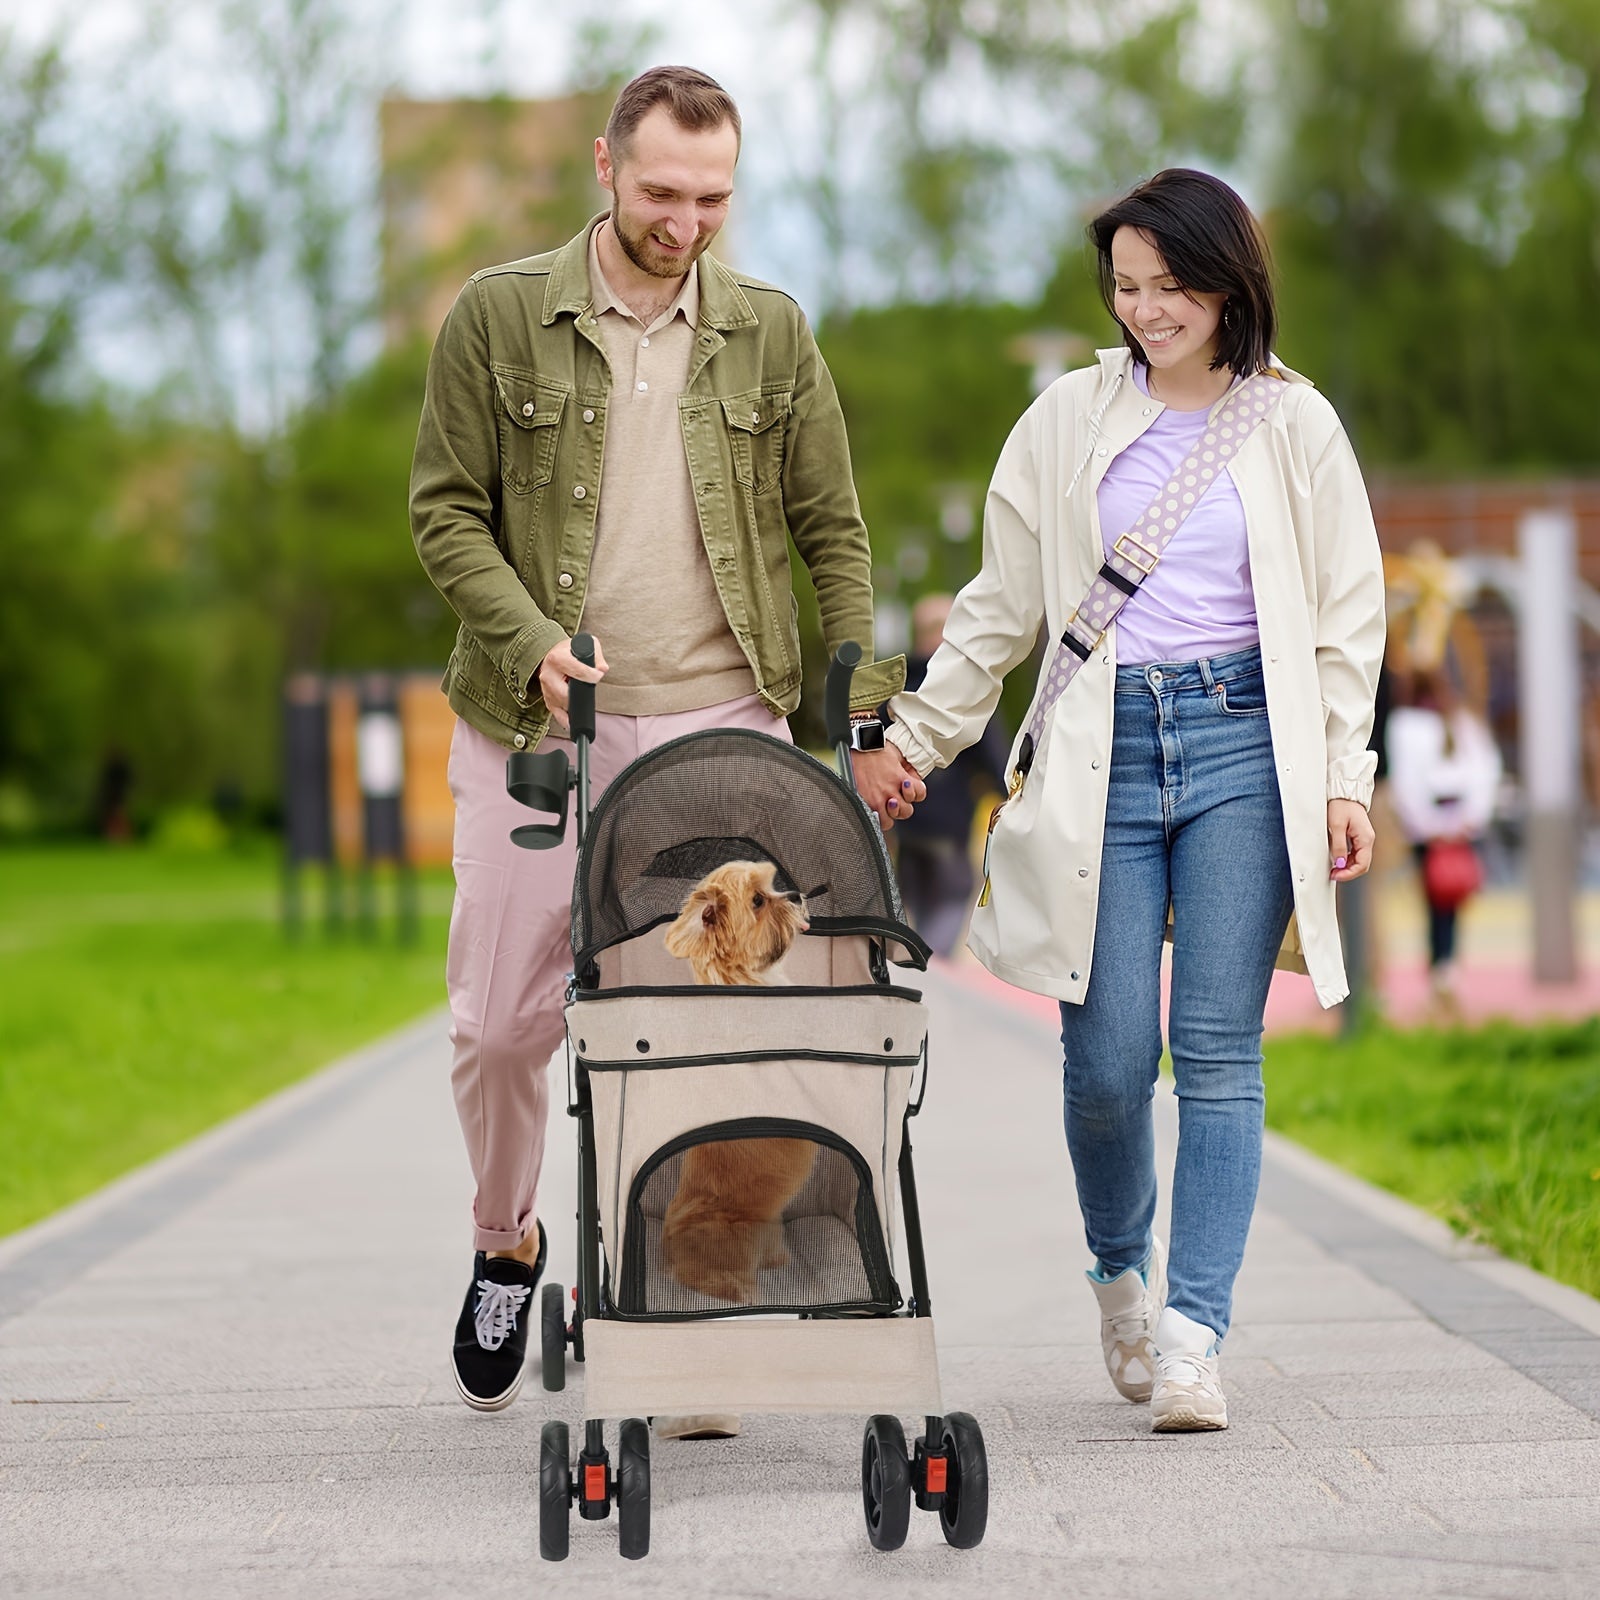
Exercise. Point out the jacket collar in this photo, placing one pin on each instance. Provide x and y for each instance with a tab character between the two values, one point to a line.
722	301
1117	363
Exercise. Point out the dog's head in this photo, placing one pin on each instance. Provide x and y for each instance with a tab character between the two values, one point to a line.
737	923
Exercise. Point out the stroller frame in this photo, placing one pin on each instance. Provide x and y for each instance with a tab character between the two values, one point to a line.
946	1472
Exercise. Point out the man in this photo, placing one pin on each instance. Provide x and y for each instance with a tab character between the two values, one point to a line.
624	434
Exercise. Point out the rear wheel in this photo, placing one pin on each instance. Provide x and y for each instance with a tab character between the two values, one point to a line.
885	1483
633	1489
553	1336
555	1492
965	1512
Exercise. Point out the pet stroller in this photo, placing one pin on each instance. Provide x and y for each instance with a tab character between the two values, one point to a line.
658	1065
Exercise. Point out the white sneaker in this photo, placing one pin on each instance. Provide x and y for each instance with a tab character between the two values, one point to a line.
706	1425
1129	1306
1187	1397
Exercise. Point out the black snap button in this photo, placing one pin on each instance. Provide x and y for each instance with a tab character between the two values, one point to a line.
583	1044
642	1046
888	1044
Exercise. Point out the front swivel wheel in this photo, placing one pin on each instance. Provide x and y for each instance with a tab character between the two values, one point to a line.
555	1492
965	1512
633	1489
885	1483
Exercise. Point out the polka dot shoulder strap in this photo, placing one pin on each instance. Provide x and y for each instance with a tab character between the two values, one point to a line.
1134	554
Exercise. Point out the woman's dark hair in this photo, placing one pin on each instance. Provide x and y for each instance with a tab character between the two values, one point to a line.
1211	244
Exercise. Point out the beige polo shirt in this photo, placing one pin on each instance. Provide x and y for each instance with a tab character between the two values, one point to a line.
651	601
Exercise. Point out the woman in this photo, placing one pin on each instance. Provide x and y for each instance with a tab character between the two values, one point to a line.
1207	755
1444	773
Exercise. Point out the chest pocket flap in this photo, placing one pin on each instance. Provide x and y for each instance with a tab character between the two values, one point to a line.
756	426
530	428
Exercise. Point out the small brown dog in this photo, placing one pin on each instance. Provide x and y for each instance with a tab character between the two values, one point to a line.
724	1224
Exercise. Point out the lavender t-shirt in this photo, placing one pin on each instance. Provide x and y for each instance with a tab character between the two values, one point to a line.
1198	602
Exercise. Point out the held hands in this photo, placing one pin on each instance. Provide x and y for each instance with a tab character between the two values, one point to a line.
1350	838
888	784
560	665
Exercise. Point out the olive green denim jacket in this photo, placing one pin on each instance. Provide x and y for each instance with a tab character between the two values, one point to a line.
506	479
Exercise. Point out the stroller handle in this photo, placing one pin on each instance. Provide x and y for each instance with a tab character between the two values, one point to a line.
580	696
836	696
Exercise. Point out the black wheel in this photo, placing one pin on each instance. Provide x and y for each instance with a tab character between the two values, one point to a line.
553	1335
555	1492
965	1512
633	1489
885	1483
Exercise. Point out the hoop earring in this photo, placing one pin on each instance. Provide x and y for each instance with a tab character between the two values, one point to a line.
1230	316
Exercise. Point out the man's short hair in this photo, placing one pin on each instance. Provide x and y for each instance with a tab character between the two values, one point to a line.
695	102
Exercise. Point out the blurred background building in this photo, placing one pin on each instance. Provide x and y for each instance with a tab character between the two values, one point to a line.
468	183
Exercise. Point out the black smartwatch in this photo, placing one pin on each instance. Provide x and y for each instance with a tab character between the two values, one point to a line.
866	734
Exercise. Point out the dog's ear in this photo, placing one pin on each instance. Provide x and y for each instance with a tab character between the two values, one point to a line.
683	935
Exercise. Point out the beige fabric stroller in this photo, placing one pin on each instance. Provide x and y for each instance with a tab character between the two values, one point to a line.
659	1066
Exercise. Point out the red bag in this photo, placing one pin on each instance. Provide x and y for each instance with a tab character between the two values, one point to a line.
1451	873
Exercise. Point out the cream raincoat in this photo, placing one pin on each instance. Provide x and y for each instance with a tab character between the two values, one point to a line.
1318	581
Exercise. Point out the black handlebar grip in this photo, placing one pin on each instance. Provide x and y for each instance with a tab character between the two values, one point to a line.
836	697
580	696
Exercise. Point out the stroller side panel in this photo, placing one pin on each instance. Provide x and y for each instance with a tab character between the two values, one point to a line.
668	1071
877	1364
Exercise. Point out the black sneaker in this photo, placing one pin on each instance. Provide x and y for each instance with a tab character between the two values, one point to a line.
492	1331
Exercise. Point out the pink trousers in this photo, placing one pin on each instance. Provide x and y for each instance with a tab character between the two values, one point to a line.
511	951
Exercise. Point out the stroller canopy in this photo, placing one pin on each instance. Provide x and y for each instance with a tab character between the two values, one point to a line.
732	795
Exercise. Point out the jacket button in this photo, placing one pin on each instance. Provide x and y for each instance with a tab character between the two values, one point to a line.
1095	764
1074	977
755	416
1101	451
1145	412
588	416
527	410
579	492
520	741
565	580
1083	872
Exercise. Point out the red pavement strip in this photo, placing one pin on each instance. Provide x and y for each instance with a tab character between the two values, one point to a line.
1486	990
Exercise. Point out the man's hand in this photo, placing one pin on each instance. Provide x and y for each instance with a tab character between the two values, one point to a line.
887	782
559	665
1350	839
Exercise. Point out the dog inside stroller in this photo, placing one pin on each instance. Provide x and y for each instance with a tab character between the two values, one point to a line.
814	1077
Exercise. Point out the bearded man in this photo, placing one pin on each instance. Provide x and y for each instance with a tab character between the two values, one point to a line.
621	435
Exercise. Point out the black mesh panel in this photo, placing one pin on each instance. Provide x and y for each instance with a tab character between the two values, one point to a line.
731	795
754	1216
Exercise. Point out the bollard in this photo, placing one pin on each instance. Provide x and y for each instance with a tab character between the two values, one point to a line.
1549	707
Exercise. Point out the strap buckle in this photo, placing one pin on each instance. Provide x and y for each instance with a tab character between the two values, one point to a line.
1151	557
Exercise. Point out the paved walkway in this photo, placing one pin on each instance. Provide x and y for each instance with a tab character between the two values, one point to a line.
228	1376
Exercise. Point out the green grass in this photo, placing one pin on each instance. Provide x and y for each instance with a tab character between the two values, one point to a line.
145	997
1497	1129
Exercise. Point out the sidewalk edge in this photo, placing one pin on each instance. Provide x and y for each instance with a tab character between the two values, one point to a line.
1434	1234
318	1084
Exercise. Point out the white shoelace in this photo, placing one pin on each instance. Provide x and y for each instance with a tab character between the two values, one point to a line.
496	1316
1193	1372
1130	1326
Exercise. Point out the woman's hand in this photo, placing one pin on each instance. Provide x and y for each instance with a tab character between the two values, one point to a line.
1350	838
888	783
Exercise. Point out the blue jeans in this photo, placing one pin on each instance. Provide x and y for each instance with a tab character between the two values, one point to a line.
1192	819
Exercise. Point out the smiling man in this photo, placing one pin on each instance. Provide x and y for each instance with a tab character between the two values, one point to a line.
621	436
